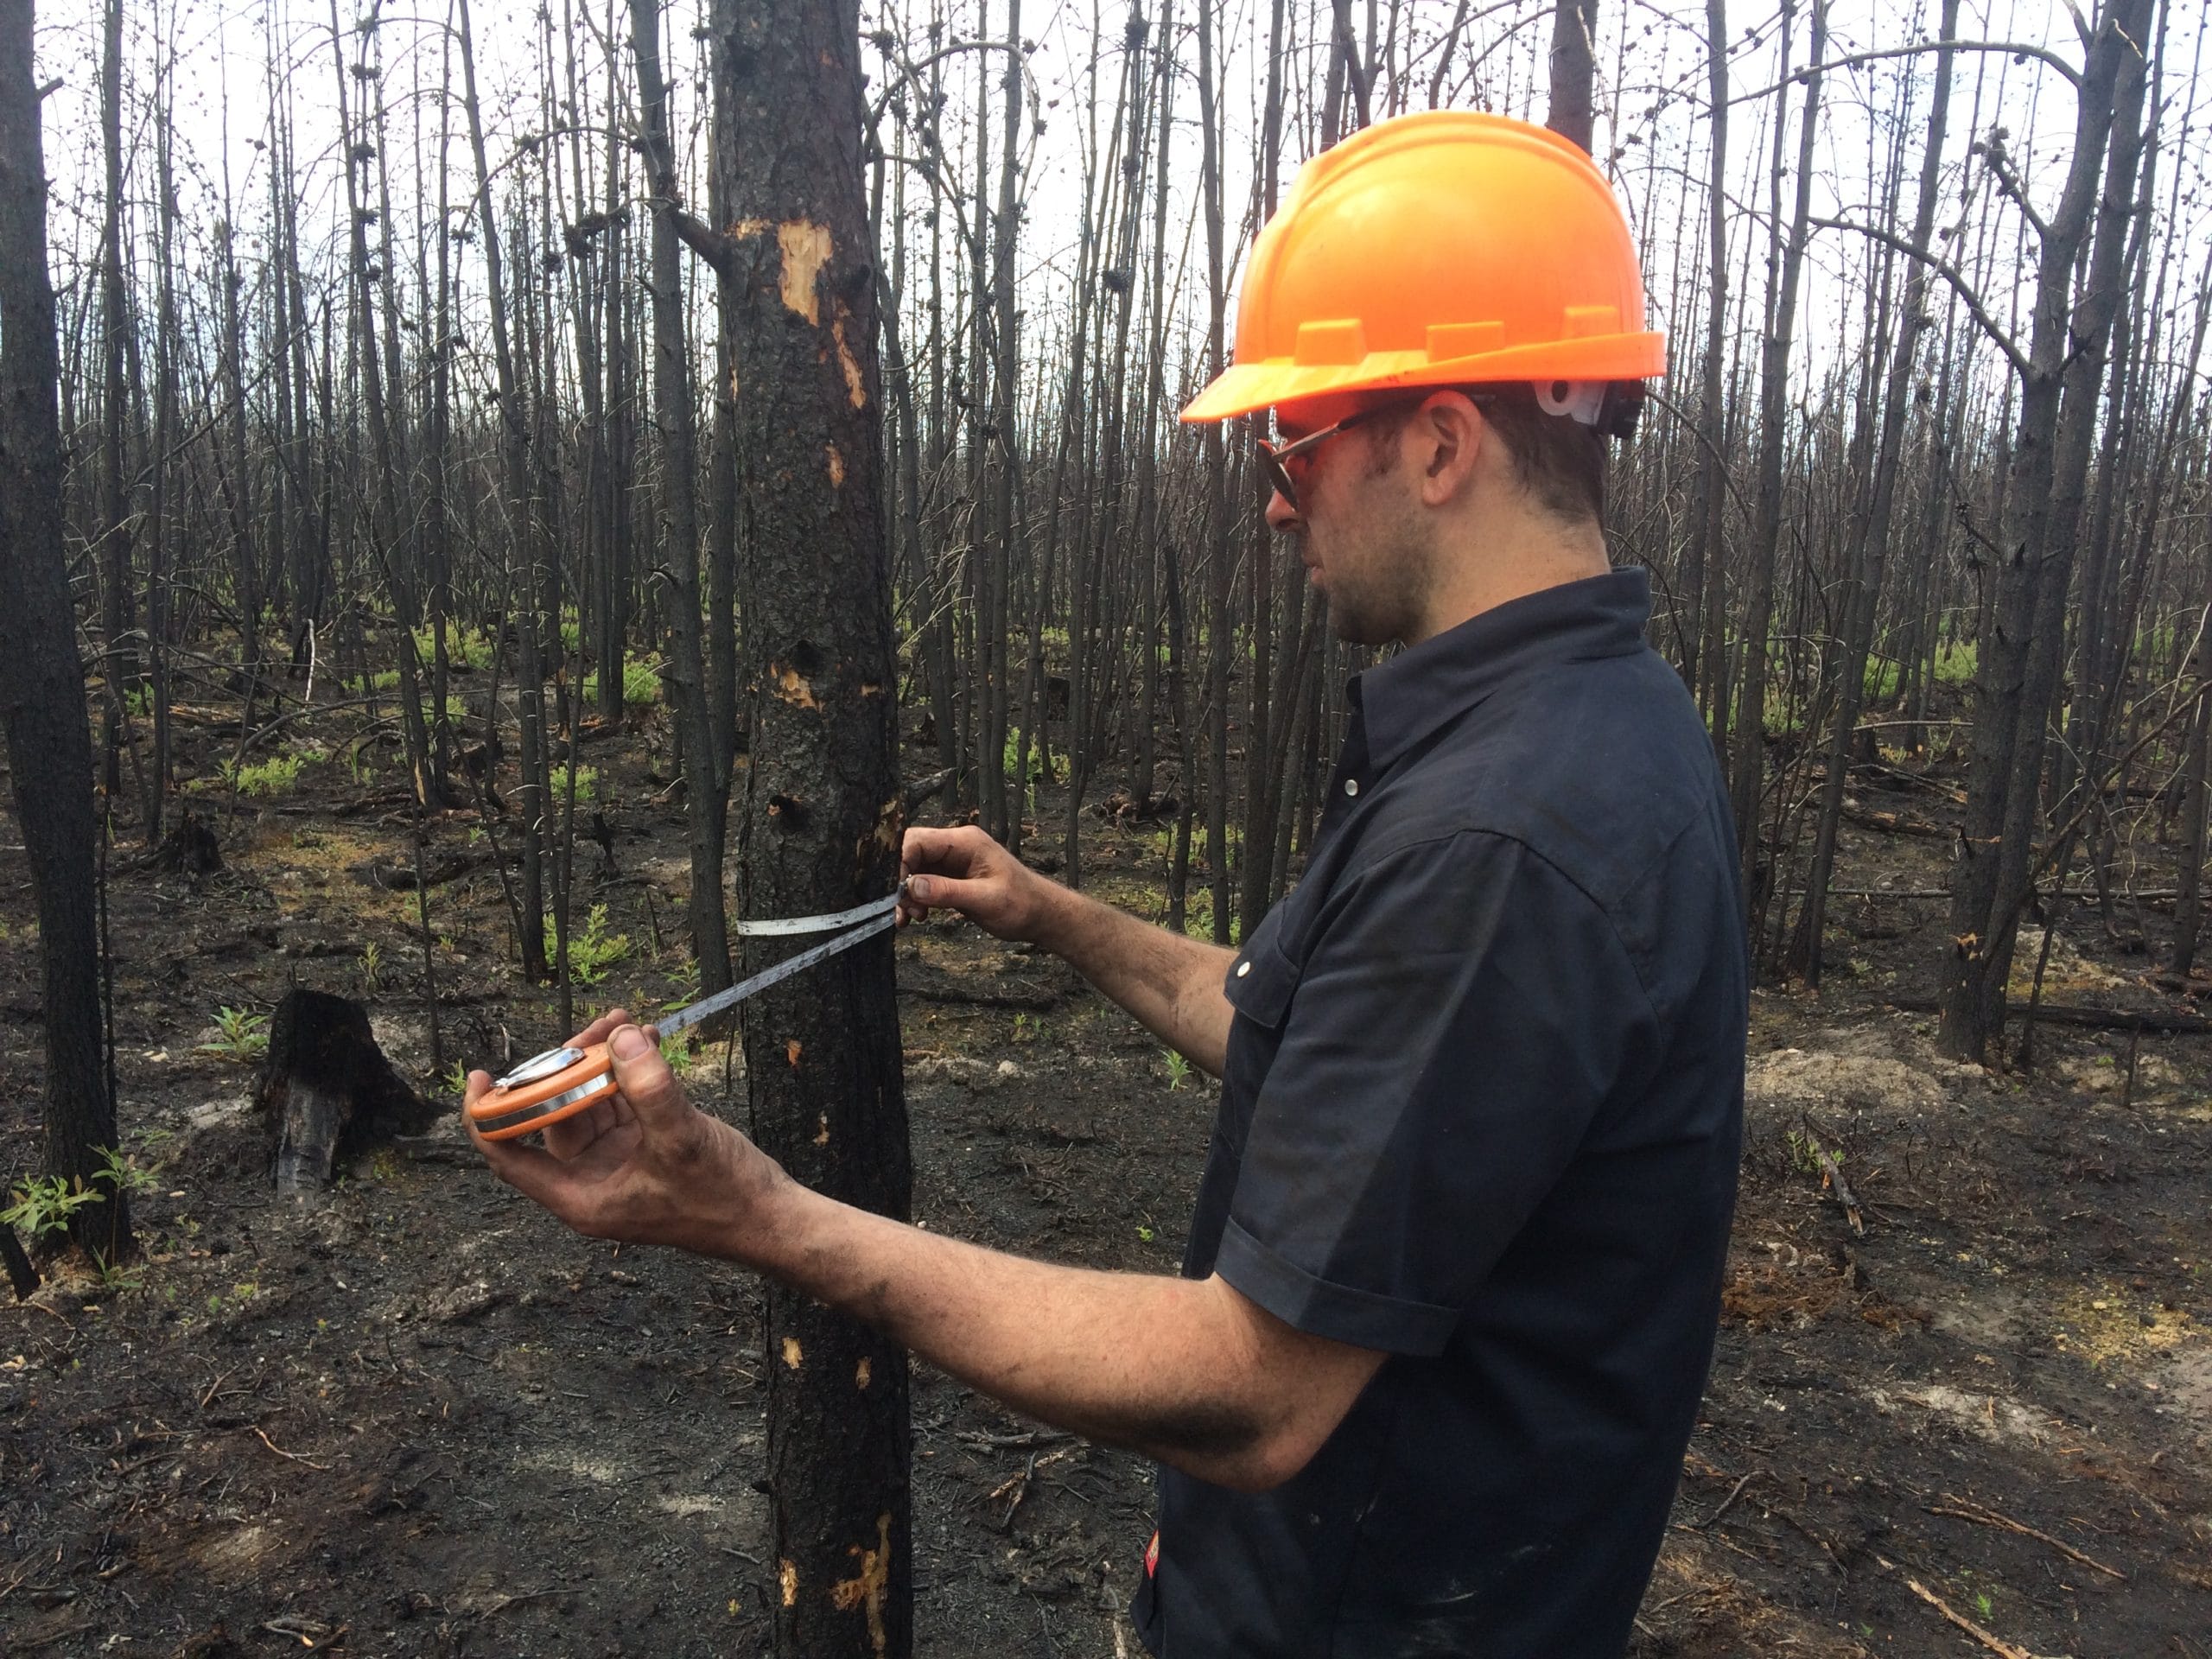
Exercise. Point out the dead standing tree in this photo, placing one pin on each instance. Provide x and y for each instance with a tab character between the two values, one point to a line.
706	765
2059	374
820	818
42	685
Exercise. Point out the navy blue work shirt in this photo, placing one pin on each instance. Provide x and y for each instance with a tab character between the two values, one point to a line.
1482	1110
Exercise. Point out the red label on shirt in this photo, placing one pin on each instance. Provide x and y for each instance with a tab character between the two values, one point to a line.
1152	1556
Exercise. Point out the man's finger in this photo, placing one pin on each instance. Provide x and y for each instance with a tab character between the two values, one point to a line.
644	1077
931	891
613	1020
535	1173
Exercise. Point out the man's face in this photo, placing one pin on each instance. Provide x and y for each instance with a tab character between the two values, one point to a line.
1358	521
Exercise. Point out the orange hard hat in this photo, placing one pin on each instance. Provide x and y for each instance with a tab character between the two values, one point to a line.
1445	248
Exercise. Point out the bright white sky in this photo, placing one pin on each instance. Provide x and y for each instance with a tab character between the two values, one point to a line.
1651	96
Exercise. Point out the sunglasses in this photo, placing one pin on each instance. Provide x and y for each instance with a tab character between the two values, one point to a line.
1275	458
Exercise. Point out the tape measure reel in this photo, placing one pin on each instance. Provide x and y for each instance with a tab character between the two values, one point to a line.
542	1089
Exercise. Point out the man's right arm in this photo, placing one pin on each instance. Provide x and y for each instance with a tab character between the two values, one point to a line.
1169	984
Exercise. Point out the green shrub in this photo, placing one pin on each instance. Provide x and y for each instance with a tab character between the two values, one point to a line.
640	683
587	783
593	950
466	647
1956	664
271	776
241	1037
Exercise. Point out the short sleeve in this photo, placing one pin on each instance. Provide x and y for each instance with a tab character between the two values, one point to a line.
1457	1018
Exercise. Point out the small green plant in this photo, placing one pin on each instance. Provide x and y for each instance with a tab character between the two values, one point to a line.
1805	1152
593	950
676	1050
121	1173
271	776
687	985
371	962
1981	1603
1145	1232
456	1079
587	783
1178	1069
138	700
640	683
241	1036
466	647
1956	664
44	1204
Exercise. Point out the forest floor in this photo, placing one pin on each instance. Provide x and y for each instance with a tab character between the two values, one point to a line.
420	1418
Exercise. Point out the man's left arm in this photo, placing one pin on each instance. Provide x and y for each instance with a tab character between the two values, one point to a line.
1190	1372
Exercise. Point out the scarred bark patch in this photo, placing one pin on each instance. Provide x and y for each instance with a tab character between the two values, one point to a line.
855	383
867	1589
806	249
793	687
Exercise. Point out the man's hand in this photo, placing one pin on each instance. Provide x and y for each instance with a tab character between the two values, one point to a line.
645	1166
964	869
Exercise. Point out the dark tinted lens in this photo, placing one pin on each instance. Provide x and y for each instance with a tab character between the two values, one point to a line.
1277	474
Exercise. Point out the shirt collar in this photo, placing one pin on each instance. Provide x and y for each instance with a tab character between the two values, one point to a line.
1403	700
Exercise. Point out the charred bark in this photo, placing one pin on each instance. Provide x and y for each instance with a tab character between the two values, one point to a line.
820	818
41	683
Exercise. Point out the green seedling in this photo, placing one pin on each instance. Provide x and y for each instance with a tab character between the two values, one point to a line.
1805	1152
1178	1069
594	950
244	1037
121	1173
271	776
372	965
44	1204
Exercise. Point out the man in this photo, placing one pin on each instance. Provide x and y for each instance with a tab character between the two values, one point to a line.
1425	1383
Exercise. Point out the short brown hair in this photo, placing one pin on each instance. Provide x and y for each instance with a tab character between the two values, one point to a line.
1556	457
1558	460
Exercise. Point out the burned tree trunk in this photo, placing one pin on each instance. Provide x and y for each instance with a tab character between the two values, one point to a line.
42	685
820	819
707	772
2014	678
326	1090
1573	66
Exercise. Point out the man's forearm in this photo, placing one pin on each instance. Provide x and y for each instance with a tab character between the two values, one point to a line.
1169	984
1162	1366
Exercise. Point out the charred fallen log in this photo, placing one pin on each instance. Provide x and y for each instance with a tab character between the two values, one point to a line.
327	1090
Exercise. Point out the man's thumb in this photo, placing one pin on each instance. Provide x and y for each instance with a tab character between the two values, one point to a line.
640	1073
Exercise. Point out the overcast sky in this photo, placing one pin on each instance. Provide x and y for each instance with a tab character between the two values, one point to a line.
1652	131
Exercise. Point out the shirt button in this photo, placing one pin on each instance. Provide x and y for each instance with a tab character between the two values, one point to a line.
1243	969
1352	785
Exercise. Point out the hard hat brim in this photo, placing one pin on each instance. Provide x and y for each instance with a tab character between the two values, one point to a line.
1245	388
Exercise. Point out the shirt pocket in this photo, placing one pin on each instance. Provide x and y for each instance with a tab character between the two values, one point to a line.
1262	981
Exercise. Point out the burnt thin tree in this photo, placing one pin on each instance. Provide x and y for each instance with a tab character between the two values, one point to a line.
820	819
42	684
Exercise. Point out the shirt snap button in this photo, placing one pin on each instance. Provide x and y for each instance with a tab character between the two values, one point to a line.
1243	969
1352	785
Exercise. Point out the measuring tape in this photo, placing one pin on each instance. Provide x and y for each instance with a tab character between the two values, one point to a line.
561	1081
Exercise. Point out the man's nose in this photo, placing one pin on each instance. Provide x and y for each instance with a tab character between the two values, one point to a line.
1282	518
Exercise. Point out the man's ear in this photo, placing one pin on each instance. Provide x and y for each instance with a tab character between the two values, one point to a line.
1450	435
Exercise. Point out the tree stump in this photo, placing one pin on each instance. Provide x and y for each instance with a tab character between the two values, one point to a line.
327	1090
190	848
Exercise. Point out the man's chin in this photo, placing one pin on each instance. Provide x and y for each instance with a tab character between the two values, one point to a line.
1354	629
